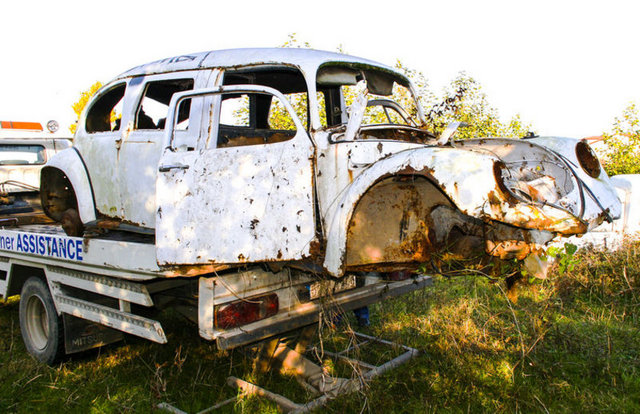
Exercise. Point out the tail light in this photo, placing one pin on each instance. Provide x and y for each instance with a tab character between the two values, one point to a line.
242	312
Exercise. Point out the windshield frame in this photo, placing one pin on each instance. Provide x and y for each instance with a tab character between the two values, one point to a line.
362	68
337	135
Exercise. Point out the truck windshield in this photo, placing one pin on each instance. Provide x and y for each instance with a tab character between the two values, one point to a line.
21	154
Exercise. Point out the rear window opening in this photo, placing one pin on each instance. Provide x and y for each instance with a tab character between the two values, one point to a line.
106	112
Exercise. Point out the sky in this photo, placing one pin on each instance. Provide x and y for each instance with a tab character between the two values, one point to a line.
566	67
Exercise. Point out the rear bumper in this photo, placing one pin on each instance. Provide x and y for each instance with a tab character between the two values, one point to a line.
309	313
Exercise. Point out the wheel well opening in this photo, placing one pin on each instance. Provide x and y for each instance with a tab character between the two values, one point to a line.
19	275
56	193
391	226
59	201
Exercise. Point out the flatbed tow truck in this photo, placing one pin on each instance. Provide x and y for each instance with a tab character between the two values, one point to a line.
72	287
79	293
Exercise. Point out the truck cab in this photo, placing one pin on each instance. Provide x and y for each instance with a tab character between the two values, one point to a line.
25	147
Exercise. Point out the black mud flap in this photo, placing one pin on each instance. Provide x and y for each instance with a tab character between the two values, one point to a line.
80	334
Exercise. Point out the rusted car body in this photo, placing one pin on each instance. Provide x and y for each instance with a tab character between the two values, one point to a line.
308	159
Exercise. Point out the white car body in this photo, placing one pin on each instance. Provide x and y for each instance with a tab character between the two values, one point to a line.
324	194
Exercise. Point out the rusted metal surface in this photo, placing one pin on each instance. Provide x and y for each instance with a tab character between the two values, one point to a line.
392	223
466	177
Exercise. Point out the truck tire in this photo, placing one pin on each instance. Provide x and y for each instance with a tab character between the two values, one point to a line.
41	327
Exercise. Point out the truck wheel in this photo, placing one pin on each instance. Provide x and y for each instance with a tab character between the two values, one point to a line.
41	327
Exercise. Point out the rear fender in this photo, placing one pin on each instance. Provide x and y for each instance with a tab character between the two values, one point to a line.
464	177
69	164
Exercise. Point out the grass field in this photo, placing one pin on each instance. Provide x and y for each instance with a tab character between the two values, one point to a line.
570	343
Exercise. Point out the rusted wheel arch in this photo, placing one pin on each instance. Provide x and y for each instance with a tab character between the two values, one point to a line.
59	201
390	225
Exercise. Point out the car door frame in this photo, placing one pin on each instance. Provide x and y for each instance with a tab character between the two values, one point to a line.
141	149
240	204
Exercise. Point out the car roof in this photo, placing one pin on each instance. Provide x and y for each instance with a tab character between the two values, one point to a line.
306	59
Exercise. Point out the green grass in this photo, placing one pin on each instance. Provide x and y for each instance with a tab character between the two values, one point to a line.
570	343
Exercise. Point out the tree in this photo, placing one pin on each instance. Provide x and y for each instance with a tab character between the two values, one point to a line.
82	102
621	154
463	100
292	41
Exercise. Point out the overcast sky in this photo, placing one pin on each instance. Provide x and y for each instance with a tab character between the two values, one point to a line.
567	67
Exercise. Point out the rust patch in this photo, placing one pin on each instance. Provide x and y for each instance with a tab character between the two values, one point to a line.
391	223
316	249
108	224
530	216
192	271
498	168
510	249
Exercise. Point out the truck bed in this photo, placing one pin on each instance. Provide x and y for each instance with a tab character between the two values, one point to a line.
107	284
114	256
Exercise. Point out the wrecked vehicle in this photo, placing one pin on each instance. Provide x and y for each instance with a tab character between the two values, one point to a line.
25	147
194	150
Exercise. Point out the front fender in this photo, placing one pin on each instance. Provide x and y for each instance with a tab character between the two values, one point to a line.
603	194
71	164
465	176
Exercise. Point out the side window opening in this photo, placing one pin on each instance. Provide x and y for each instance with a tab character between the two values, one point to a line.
154	105
288	81
106	112
300	104
253	119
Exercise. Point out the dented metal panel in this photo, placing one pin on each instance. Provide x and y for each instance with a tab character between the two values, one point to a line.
465	177
600	193
236	204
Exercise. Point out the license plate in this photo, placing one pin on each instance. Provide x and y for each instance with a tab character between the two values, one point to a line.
328	287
